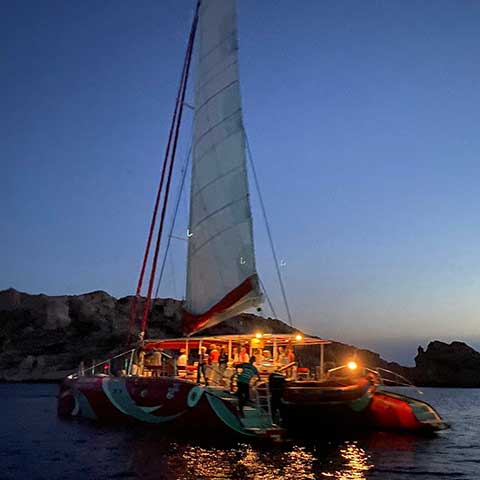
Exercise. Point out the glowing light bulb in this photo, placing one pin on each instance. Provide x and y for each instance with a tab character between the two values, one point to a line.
298	337
258	335
352	365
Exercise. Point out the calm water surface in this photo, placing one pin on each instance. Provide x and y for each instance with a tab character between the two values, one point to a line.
35	444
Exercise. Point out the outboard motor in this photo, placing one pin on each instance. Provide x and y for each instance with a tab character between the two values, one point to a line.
276	383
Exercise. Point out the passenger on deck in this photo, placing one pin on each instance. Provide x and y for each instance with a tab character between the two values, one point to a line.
290	355
259	357
248	371
156	358
182	359
222	363
244	357
155	362
139	363
267	356
202	365
235	356
213	362
290	359
282	357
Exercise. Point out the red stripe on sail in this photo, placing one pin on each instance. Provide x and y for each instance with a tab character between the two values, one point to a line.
193	323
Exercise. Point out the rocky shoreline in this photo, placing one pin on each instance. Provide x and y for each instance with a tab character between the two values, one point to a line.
43	338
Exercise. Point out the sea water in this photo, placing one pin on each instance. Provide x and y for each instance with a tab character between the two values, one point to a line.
36	444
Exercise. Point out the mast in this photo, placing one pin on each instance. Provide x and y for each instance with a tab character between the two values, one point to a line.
170	160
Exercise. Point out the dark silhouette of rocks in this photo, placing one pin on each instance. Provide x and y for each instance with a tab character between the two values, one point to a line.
44	338
453	365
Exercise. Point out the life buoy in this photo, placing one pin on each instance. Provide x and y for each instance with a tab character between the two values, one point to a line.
194	396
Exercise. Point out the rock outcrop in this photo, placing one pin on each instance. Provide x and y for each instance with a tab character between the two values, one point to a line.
45	337
453	365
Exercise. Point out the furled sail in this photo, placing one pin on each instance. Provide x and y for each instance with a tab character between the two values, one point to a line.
221	273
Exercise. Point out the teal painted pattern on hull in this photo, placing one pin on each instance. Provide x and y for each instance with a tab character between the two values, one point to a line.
361	403
224	414
82	406
117	393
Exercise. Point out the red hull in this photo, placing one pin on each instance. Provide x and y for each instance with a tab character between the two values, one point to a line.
164	402
308	408
398	412
169	403
189	409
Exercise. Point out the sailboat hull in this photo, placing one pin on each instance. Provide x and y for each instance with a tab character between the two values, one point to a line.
172	404
322	409
308	408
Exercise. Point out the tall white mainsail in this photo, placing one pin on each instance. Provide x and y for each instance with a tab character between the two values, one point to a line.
221	274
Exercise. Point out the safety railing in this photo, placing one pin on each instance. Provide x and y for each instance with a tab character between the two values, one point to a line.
383	380
122	361
397	381
124	364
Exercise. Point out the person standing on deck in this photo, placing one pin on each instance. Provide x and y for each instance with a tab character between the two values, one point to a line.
156	362
235	356
248	371
282	357
259	356
222	363
290	355
182	361
243	357
202	365
139	362
213	362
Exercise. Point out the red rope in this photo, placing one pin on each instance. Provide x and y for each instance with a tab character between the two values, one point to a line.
146	307
173	128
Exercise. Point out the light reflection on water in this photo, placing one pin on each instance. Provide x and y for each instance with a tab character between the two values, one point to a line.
34	443
348	461
358	462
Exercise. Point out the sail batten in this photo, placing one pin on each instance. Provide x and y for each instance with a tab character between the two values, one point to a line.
221	274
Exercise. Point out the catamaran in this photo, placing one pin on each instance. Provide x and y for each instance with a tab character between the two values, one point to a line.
168	382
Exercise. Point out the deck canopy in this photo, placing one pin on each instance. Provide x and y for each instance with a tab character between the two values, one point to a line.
263	339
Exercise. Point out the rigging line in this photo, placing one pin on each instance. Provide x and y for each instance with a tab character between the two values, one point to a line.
270	304
146	308
172	226
134	307
269	232
172	266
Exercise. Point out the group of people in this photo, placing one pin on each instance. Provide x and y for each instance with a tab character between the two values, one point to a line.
146	360
284	356
213	362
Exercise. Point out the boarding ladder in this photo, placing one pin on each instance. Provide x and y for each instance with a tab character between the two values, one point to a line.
259	416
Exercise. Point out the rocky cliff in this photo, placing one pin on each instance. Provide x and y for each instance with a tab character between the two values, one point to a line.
45	337
453	365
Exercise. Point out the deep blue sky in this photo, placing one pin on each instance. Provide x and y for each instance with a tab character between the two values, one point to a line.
364	122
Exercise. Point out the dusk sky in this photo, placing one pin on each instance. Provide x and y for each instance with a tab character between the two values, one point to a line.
363	119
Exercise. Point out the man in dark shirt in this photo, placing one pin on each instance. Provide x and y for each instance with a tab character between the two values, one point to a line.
243	382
